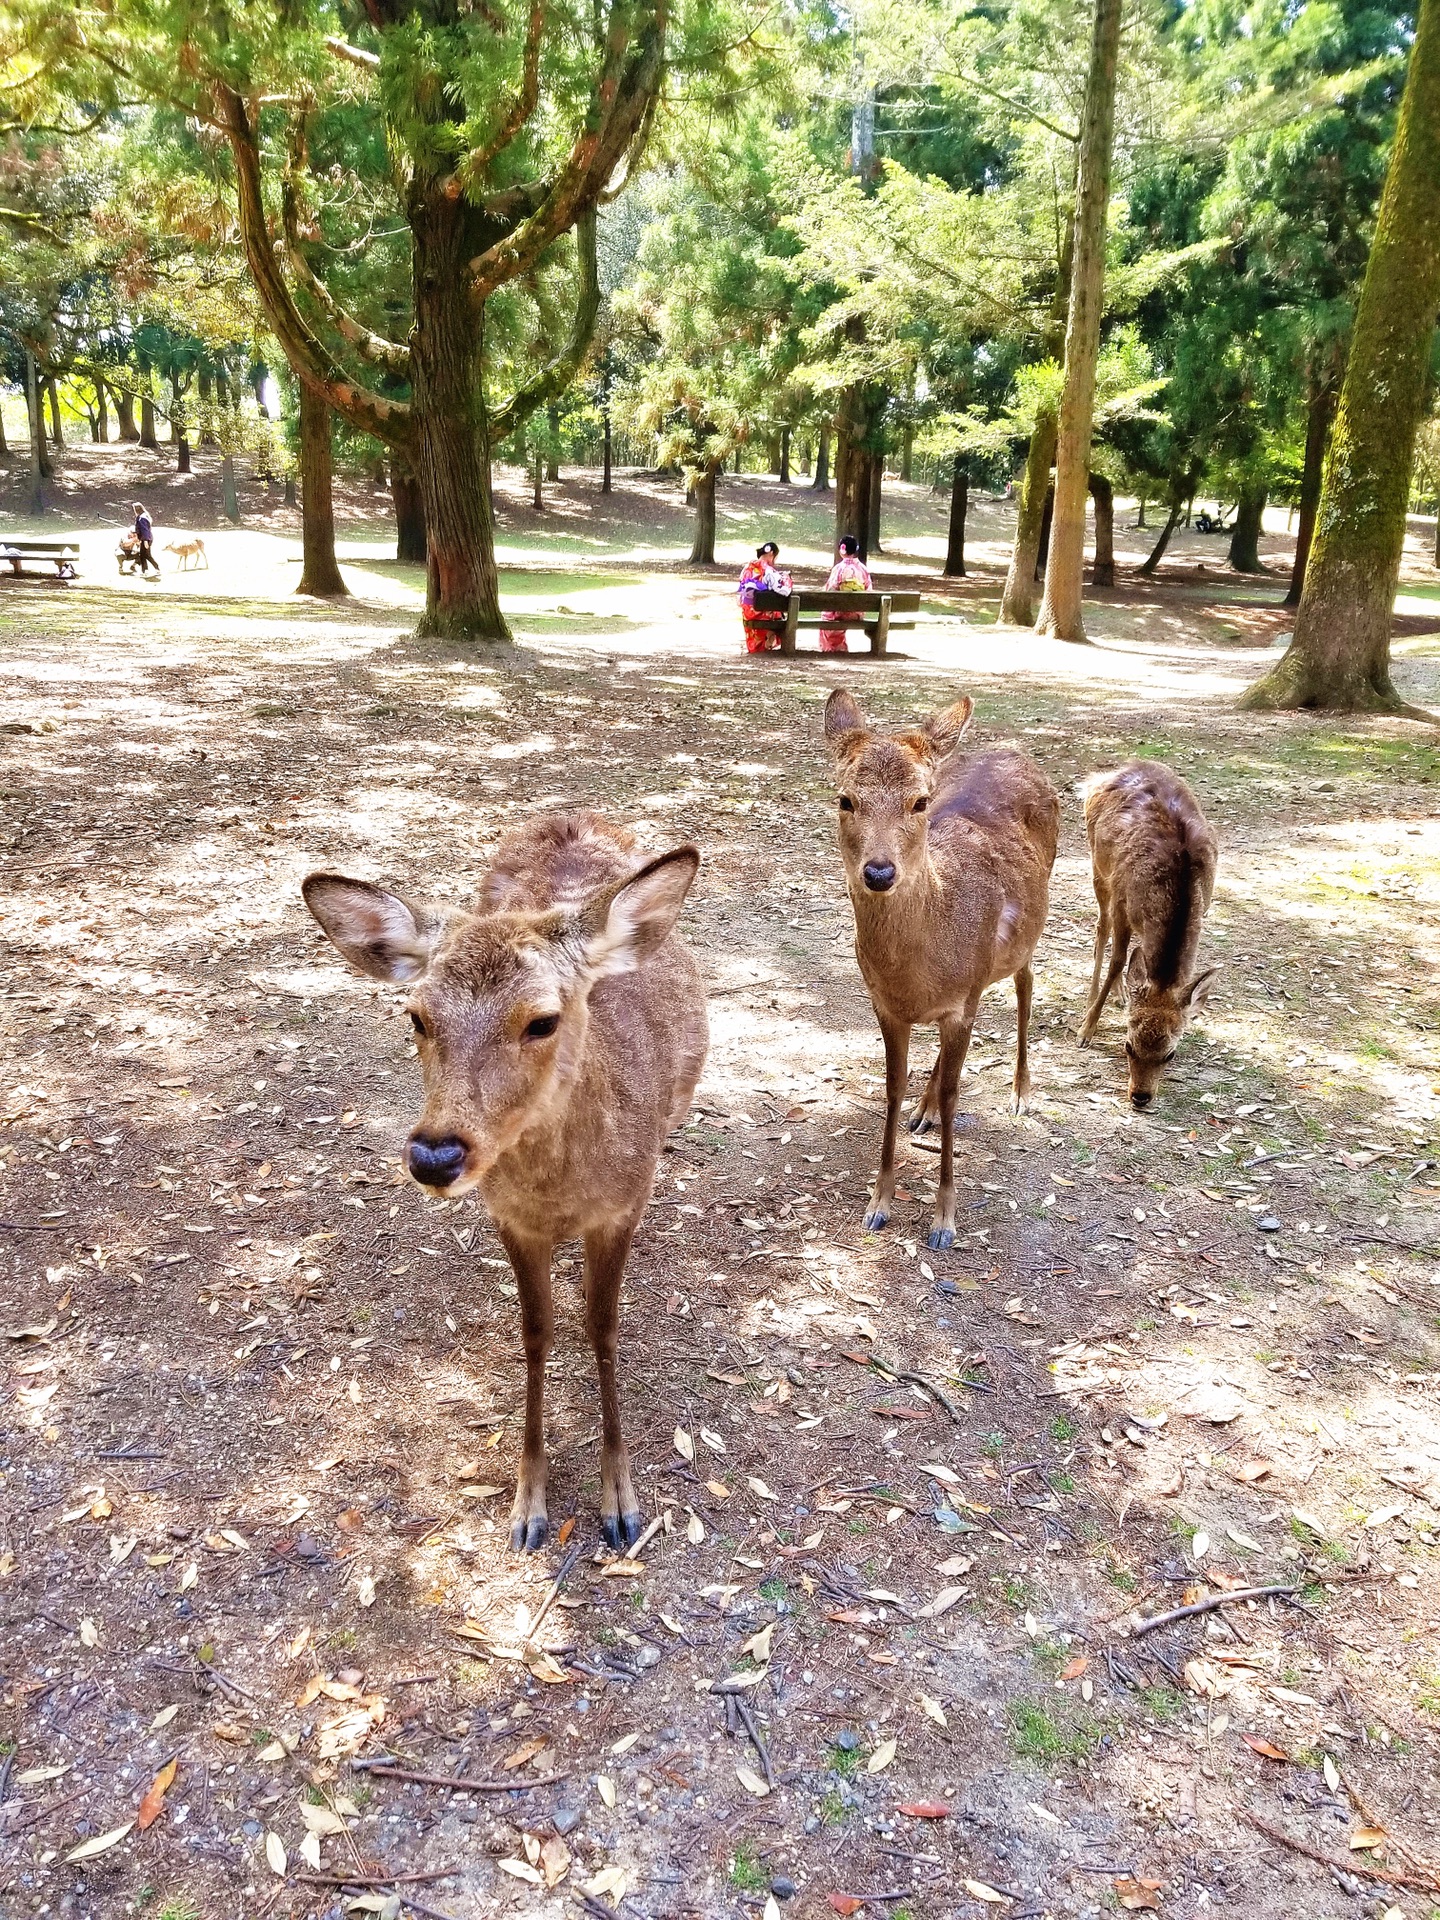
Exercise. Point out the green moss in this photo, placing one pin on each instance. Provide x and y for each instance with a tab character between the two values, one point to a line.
747	1872
1040	1735
844	1760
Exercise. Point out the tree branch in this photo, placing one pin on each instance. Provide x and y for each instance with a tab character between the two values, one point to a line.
388	420
357	56
371	346
555	377
521	108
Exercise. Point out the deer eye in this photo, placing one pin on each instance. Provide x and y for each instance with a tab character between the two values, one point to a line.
542	1026
847	805
422	1031
921	804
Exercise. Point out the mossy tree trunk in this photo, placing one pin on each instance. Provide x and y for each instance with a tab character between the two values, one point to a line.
1047	521
1319	415
1061	617
1244	555
1017	603
320	571
125	427
409	511
1340	655
702	547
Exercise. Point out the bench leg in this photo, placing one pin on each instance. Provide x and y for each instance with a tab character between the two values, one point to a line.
792	621
880	637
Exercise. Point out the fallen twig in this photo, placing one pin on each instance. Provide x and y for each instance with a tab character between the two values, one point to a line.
1209	1606
459	1783
371	1879
742	1707
552	1592
1427	1883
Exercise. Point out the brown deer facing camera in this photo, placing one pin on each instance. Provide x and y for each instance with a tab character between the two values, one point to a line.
948	865
561	1030
1153	859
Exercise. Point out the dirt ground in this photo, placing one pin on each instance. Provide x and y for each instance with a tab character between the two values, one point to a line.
915	1509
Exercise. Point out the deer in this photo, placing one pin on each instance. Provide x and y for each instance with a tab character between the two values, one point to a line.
561	1028
947	864
191	549
1153	857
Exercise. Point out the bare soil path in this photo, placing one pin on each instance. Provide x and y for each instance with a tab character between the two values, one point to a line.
261	1396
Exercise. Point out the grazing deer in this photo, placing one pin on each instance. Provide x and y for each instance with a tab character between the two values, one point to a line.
191	549
948	865
561	1029
1153	857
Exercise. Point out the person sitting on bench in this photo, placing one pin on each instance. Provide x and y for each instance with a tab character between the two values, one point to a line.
849	572
761	575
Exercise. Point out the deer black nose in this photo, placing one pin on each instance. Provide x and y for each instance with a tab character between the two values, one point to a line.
436	1163
879	875
1140	1098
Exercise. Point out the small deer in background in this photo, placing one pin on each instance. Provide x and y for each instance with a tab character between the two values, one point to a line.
948	865
1153	859
561	1030
192	549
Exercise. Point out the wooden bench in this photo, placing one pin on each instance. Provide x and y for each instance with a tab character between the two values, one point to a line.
872	613
63	555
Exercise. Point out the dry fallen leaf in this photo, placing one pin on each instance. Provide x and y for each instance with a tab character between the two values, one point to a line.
310	1851
979	1890
925	1809
932	1709
712	1440
1257	1745
1137	1895
554	1860
846	1903
365	1592
684	1445
881	1757
88	1634
322	1821
189	1577
758	1645
275	1854
150	1806
1073	1669
1365	1837
752	1782
759	1488
522	1870
523	1754
1332	1775
611	1880
101	1843
943	1601
606	1788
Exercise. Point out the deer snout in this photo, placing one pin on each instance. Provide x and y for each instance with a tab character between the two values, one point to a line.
879	875
435	1163
1141	1097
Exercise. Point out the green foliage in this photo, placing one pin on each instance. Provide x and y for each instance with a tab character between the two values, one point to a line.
748	1873
1047	1738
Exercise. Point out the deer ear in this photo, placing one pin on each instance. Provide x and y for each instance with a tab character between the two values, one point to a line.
621	926
376	931
946	730
843	715
1198	991
1135	974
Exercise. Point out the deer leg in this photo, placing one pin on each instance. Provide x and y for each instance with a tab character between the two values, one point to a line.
529	1522
1119	954
897	1062
606	1250
927	1114
1024	994
954	1045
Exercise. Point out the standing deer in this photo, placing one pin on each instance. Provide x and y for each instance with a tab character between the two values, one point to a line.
561	1030
948	865
1153	858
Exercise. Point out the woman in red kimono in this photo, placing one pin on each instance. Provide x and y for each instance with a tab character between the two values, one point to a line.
762	624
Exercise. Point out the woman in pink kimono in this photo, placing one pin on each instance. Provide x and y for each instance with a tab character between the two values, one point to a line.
849	571
763	624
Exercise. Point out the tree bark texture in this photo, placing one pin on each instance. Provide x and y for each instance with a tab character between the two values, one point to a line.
702	547
1340	655
907	451
102	414
1244	554
1157	552
320	571
148	436
954	567
852	494
785	456
1061	617
39	459
125	427
872	517
409	512
1047	521
1017	603
606	453
1103	494
821	482
52	396
229	498
1319	416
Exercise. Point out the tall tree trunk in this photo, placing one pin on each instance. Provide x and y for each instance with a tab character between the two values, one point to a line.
39	459
954	566
907	452
1017	602
52	395
821	482
1319	415
1103	494
852	494
409	501
552	443
462	598
1061	616
148	436
1157	552
1140	516
1047	522
1244	554
606	451
206	385
259	374
785	456
702	547
125	427
4	443
229	498
537	478
320	572
1340	655
102	414
872	518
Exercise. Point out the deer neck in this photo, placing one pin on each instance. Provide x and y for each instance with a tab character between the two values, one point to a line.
888	925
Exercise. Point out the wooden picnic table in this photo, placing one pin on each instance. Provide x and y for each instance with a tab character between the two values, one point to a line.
63	555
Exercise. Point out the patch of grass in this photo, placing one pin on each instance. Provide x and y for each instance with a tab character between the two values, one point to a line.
844	1760
857	1525
1061	1430
1063	1482
1119	1576
1037	1734
993	1445
1147	1323
179	1907
1049	1655
1163	1703
1015	1590
343	1638
833	1809
747	1873
268	710
773	1589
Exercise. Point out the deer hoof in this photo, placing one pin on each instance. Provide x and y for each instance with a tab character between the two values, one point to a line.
622	1529
876	1216
941	1238
921	1122
528	1536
